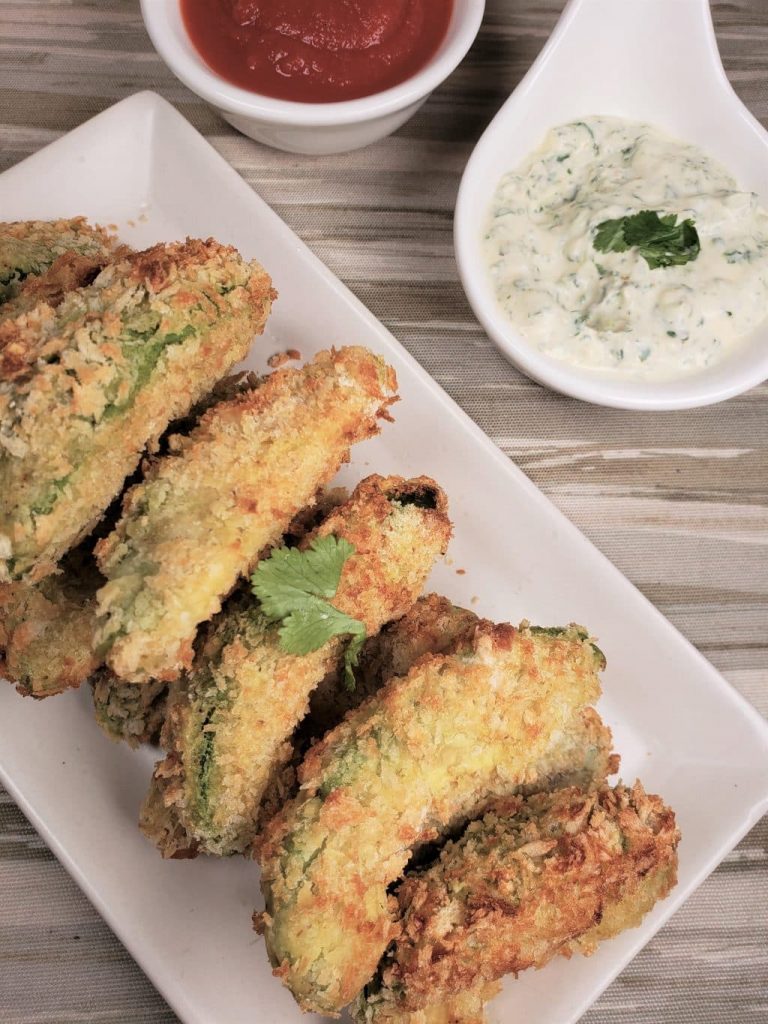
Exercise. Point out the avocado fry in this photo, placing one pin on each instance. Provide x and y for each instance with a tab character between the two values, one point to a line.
132	712
552	873
67	272
581	754
230	721
85	387
135	712
413	760
199	519
47	630
430	626
465	1007
29	247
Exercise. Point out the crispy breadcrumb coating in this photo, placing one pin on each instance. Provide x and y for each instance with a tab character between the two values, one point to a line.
86	387
47	630
581	754
69	271
133	712
466	1007
199	519
415	758
230	721
29	247
430	626
535	877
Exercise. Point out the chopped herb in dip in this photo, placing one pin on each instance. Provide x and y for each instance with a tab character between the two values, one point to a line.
619	248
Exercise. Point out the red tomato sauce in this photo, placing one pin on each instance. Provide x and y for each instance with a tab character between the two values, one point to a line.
316	51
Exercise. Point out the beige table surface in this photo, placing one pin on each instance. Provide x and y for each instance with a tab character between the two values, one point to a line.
676	500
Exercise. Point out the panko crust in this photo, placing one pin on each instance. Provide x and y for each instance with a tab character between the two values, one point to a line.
47	630
29	248
132	712
431	625
580	755
198	520
69	271
135	712
413	759
533	878
467	1007
85	387
230	722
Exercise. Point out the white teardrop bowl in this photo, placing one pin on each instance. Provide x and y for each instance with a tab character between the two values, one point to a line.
645	60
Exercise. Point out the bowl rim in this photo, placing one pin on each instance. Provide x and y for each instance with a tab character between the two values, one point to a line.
164	23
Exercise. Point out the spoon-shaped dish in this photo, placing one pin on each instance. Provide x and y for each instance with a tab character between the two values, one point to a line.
644	60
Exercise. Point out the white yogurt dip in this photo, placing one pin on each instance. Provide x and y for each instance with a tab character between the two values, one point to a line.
609	310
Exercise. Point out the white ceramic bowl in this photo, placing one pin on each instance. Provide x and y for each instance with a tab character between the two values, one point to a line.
308	127
645	60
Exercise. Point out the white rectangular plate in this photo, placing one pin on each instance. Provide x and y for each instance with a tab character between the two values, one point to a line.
676	722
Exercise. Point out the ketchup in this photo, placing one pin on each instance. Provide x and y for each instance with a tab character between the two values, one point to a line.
316	51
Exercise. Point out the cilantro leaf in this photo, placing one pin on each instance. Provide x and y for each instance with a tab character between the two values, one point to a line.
610	236
660	240
289	575
309	627
292	587
646	226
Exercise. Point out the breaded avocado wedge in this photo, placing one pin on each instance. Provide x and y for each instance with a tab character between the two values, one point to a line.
230	720
467	1007
581	754
86	386
29	247
413	760
132	712
47	630
203	513
430	626
67	273
135	712
545	875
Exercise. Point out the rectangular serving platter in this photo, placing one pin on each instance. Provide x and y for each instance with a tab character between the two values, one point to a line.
677	723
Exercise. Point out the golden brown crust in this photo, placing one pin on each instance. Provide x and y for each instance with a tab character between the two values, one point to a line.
45	230
198	520
231	719
22	343
412	760
535	878
69	271
46	630
377	597
88	385
431	625
29	248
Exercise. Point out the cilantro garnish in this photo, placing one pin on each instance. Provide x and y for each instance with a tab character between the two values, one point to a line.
293	588
660	240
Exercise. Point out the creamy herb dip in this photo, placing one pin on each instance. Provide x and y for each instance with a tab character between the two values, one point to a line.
610	310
